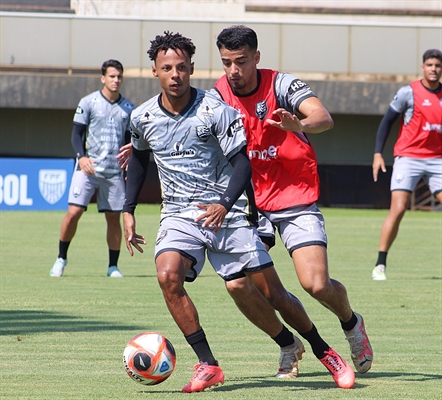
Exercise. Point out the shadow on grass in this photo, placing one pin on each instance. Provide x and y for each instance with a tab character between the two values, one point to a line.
325	382
22	322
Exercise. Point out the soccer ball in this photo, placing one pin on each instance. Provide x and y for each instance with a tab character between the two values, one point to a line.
149	358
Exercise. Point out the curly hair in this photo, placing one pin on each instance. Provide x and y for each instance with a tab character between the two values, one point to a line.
170	40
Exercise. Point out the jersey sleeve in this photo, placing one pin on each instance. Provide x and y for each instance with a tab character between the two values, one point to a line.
403	100
291	91
137	131
82	113
230	130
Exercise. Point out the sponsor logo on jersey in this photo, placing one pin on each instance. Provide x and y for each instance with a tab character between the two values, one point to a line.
147	117
203	132
432	127
237	126
296	85
52	184
179	151
266	155
79	110
426	103
261	109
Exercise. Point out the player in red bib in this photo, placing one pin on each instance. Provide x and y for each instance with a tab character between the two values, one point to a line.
418	149
284	172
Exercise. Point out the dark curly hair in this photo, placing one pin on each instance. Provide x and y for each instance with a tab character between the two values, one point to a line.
170	40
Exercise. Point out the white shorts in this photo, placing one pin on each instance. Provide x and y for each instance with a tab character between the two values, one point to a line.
407	173
110	191
231	251
297	227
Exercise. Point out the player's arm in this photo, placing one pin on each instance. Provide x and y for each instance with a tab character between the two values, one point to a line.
295	96
317	118
136	175
381	137
125	152
241	176
77	140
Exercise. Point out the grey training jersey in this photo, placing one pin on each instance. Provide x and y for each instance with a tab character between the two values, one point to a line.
191	151
106	126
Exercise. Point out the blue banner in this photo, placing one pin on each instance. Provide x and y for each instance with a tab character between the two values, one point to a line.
35	184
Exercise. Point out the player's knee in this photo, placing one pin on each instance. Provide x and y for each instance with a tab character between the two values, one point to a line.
317	290
169	278
237	287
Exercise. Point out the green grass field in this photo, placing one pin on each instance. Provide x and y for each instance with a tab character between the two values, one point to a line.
64	338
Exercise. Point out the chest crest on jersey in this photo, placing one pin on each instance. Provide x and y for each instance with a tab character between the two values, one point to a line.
261	110
203	132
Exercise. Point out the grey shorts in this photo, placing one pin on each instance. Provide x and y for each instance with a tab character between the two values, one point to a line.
297	227
110	191
231	251
408	171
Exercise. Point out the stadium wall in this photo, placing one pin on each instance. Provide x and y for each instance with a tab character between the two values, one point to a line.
48	62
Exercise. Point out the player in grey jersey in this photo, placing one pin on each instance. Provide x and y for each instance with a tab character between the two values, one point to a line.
101	128
199	144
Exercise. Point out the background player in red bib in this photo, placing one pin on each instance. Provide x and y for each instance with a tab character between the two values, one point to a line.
284	172
418	149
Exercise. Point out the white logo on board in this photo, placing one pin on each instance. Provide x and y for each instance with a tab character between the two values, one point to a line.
52	184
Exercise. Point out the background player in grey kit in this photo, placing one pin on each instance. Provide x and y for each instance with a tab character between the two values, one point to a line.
101	128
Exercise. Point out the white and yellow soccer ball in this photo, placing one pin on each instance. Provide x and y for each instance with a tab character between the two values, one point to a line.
149	358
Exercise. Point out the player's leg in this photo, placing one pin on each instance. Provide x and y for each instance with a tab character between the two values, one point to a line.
389	231
69	223
110	199
261	314
179	257
312	269
399	203
113	238
405	176
262	275
80	193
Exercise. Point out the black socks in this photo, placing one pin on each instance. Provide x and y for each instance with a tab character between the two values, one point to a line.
200	346
284	338
382	258
63	249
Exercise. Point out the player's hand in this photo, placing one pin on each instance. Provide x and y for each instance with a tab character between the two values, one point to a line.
131	237
378	163
288	121
124	155
86	165
214	216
